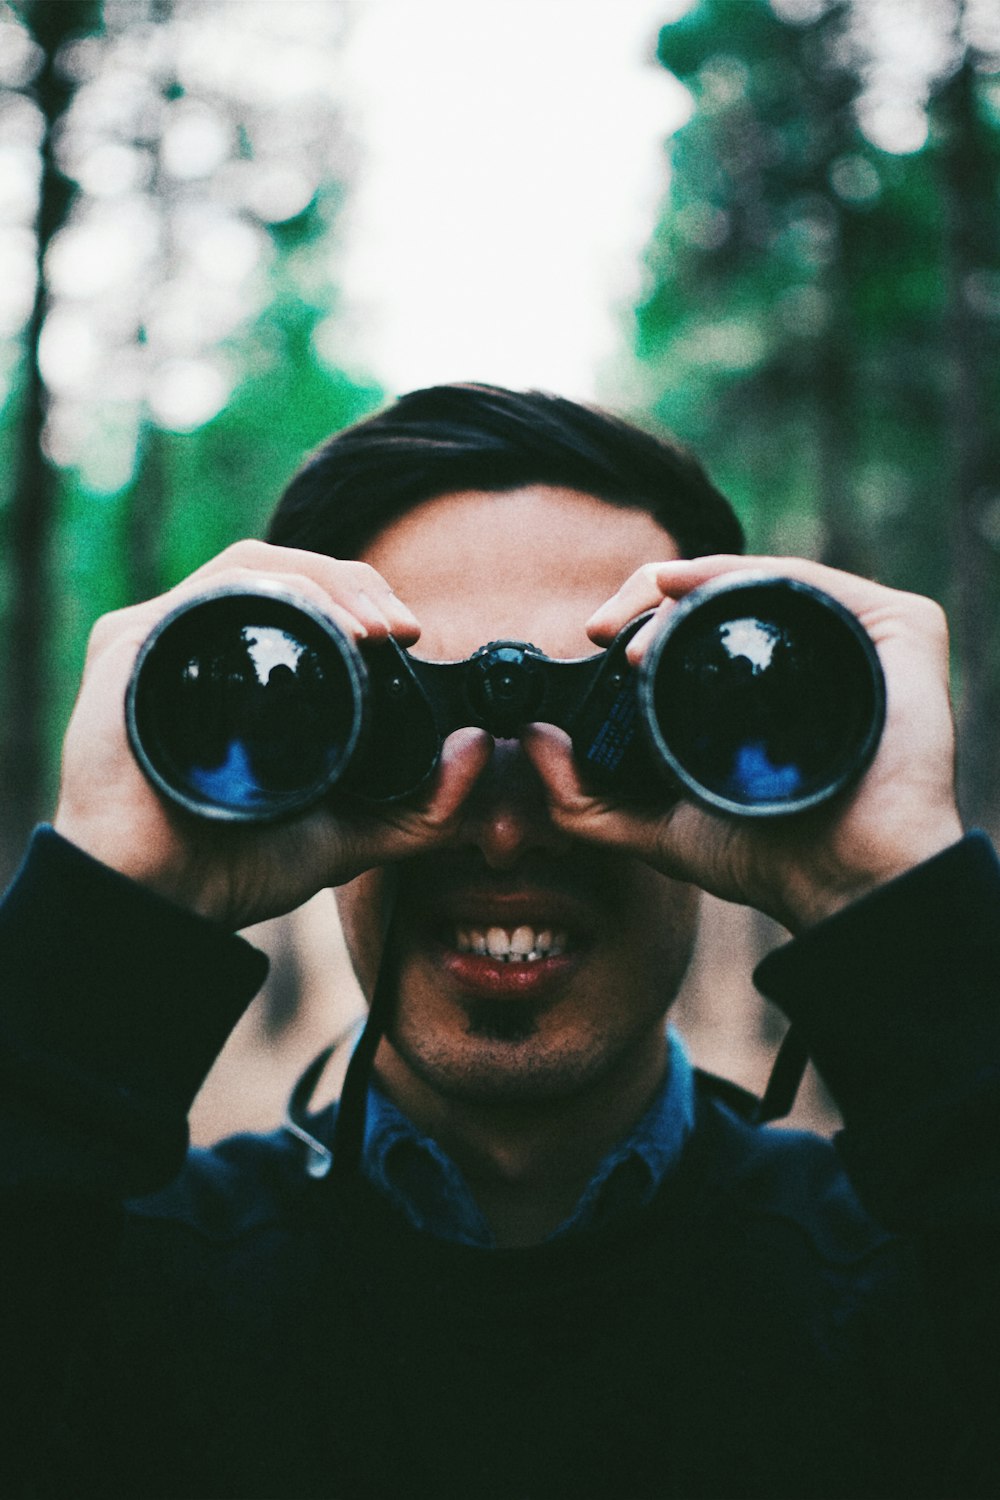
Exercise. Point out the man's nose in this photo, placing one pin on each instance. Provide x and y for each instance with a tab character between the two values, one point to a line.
506	815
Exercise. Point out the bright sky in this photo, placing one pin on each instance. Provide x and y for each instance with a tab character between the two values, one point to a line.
510	169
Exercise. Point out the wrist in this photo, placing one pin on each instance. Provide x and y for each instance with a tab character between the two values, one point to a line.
146	855
823	892
865	989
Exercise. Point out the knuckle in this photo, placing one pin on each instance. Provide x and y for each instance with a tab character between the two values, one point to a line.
439	825
363	576
927	616
249	553
935	616
107	628
302	584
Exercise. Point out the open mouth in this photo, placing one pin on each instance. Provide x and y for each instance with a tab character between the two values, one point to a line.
511	945
518	960
517	936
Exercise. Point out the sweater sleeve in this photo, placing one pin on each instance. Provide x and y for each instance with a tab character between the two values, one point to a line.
898	999
114	1006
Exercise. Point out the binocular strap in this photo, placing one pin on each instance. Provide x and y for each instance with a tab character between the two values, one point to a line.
349	1131
786	1076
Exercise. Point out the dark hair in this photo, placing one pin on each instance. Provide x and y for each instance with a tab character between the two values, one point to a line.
481	437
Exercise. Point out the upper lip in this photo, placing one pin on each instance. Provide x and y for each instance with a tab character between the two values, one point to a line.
506	902
576	895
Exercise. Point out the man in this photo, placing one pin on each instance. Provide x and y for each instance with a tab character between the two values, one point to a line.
563	1267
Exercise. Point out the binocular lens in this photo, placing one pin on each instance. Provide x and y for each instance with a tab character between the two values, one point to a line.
767	697
247	706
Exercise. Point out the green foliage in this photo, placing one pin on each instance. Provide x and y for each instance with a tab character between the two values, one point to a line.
113	489
226	477
203	489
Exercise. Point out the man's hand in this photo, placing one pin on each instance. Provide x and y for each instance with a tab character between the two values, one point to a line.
803	868
240	873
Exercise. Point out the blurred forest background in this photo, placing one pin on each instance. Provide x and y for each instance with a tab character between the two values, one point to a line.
820	318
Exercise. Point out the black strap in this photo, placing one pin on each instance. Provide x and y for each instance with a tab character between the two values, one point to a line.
349	1131
786	1076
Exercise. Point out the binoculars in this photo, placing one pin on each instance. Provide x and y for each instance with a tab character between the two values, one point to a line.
760	696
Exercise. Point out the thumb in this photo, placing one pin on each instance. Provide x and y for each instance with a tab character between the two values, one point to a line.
409	828
656	834
573	806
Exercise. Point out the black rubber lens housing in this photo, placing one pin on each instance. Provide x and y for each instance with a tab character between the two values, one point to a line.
247	705
762	696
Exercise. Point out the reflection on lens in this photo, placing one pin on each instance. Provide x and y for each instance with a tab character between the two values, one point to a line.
755	777
765	696
245	705
233	784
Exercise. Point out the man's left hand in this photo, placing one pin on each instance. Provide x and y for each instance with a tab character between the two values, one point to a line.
804	867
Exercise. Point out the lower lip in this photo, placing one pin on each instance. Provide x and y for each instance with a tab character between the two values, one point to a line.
480	975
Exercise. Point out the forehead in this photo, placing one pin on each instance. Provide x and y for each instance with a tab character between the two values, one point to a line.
525	564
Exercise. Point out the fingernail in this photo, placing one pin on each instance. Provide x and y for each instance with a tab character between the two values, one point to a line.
400	609
637	646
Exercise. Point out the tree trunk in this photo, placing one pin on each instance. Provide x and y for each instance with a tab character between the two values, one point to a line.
968	168
32	512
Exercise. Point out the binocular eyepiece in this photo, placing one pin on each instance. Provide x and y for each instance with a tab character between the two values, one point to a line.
760	696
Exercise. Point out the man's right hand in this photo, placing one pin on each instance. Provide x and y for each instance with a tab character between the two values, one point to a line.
242	873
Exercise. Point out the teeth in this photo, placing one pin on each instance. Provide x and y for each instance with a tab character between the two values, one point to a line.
497	943
523	945
522	941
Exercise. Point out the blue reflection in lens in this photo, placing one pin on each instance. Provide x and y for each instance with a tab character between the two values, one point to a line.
233	784
755	777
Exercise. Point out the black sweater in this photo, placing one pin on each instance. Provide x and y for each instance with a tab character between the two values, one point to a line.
245	1330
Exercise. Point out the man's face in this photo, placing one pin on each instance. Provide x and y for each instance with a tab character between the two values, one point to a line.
607	939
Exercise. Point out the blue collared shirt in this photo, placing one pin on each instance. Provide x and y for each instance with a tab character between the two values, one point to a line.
423	1181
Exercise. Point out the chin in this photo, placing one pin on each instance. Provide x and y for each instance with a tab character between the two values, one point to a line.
503	1060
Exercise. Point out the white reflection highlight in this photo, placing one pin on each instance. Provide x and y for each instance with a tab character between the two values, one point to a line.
754	640
268	647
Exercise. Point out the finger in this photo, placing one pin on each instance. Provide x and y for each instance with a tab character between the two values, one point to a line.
346	611
657	583
882	611
860	595
412	830
550	751
351	585
572	805
643	590
575	809
671	836
646	634
465	755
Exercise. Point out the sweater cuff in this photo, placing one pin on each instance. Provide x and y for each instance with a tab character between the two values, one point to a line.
109	981
896	996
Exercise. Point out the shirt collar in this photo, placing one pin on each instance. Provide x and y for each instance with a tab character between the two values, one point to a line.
423	1181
